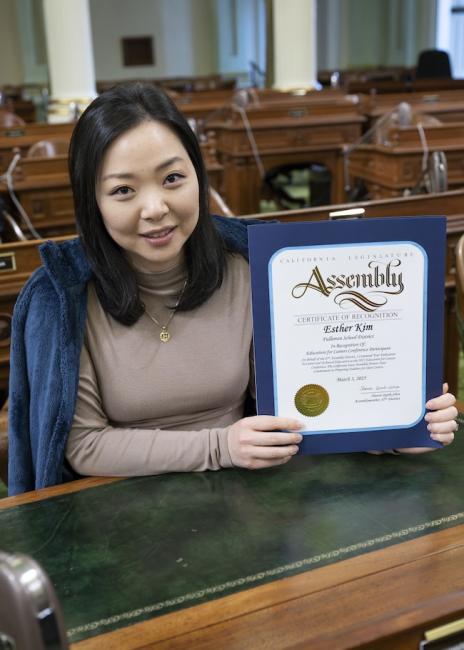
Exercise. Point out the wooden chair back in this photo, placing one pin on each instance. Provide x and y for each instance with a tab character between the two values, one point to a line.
48	148
8	119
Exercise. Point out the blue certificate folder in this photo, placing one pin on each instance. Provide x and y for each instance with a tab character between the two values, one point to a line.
342	408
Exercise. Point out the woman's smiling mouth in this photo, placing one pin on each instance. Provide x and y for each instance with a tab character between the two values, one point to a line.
159	237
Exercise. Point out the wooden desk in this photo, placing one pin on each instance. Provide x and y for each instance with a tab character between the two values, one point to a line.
389	170
202	105
445	203
199	105
367	74
447	106
328	552
48	202
43	188
387	86
285	132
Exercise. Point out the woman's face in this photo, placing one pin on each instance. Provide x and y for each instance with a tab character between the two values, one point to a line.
148	195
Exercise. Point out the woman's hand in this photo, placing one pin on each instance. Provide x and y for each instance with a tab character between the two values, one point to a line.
259	441
441	420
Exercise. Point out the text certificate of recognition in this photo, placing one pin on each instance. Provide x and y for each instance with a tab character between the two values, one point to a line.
353	329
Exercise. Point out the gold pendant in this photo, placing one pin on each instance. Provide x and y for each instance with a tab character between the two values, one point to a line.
164	335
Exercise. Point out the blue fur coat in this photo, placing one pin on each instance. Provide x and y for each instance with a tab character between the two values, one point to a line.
47	337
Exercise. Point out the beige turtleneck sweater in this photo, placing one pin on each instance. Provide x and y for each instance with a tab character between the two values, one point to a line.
147	407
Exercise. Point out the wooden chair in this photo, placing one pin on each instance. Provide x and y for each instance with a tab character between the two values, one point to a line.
8	119
48	148
433	64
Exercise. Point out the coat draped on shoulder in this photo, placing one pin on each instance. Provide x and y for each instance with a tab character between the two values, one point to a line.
47	336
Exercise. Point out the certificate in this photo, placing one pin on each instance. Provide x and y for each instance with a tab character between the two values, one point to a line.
348	328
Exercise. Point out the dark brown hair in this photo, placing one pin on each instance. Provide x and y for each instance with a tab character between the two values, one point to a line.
110	115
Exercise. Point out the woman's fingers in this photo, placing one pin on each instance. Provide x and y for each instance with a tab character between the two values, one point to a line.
441	402
258	442
264	439
267	453
442	427
444	438
449	413
441	418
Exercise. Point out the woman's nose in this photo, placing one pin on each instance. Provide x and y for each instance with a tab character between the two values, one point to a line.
153	206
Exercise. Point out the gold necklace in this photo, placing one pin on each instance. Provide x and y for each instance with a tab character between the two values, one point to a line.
164	333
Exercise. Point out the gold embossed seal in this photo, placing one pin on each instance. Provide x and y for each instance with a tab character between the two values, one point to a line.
312	400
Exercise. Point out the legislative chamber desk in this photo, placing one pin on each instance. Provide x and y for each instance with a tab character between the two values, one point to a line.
335	551
446	106
389	170
289	132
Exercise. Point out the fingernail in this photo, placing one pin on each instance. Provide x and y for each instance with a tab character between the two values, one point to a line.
427	417
297	424
429	427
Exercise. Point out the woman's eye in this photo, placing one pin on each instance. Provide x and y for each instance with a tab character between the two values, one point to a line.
173	178
121	191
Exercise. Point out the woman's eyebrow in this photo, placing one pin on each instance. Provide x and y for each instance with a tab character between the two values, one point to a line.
123	175
168	162
129	176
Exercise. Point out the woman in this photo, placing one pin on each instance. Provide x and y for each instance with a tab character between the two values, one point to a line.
131	345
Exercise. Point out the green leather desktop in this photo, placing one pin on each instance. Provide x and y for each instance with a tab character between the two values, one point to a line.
135	549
